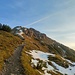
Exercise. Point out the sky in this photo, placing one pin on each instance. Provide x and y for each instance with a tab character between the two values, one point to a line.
55	18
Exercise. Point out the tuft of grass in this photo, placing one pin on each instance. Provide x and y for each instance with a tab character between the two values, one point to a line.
59	60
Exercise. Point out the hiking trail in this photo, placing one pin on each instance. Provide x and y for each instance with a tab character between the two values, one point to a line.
13	64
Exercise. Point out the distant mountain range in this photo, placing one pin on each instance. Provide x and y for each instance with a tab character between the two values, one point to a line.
42	55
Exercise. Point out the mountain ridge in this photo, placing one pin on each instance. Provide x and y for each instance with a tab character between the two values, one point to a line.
42	55
36	40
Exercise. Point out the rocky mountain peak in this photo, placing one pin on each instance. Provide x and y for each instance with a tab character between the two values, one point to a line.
29	32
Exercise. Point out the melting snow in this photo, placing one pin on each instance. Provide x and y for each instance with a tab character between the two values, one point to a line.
70	62
25	29
69	71
18	28
40	55
59	47
44	56
47	69
33	61
20	33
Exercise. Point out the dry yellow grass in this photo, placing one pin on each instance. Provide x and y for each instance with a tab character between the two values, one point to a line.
31	44
8	43
27	66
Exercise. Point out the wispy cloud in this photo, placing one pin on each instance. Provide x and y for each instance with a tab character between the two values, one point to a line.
58	17
59	12
38	20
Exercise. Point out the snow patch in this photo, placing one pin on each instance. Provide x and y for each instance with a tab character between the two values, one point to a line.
25	29
49	67
33	61
40	55
73	63
69	71
20	32
44	57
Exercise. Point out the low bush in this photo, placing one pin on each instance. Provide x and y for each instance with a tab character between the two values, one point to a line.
5	27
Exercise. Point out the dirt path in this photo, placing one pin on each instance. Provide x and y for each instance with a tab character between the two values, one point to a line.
13	65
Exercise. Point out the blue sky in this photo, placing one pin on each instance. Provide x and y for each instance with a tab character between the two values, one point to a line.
56	18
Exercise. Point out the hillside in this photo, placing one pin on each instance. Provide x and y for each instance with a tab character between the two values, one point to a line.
43	55
13	65
33	53
8	43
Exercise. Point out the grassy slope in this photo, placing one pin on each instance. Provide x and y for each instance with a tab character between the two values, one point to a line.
33	44
8	43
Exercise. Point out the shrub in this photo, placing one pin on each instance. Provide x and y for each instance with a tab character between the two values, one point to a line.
0	26
5	27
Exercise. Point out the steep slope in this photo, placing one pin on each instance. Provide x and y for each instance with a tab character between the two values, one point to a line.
40	40
41	55
59	58
13	65
8	43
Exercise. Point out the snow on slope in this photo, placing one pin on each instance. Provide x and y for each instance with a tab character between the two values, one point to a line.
19	32
40	55
68	71
44	57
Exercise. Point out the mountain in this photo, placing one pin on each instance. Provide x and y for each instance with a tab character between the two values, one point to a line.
26	51
44	56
